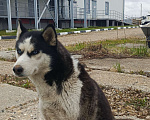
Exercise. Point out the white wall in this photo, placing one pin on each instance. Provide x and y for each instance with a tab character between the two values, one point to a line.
114	5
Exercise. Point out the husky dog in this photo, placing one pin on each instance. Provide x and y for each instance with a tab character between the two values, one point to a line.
65	90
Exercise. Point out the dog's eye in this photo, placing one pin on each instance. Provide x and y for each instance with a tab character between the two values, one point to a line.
35	52
19	51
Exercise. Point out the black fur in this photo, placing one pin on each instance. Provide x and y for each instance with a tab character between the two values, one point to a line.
93	103
61	64
62	68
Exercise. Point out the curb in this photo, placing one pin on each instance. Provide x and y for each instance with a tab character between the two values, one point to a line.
75	32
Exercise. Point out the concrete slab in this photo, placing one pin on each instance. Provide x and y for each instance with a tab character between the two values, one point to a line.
131	45
6	67
13	96
128	64
121	80
8	55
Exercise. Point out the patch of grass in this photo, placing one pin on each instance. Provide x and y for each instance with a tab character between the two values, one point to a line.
105	44
10	49
2	59
3	33
111	48
27	84
77	47
16	81
139	102
118	68
142	51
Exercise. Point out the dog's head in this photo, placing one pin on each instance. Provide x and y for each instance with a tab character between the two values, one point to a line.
34	50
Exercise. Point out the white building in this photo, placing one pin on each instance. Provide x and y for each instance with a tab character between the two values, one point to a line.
98	13
103	7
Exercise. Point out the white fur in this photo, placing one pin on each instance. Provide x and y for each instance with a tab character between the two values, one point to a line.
59	107
64	106
35	63
18	31
26	45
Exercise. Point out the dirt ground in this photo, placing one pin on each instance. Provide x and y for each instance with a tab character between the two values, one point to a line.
86	37
98	69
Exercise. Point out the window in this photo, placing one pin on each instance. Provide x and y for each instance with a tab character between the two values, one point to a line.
31	8
75	9
106	8
51	5
3	8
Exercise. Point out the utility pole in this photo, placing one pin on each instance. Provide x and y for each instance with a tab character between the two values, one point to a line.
141	9
123	9
9	15
85	17
56	14
36	14
71	14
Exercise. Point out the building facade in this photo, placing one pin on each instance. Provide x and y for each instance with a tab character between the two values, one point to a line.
98	13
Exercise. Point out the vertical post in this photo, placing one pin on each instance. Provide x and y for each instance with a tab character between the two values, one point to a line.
94	23
113	23
85	17
107	23
35	14
16	8
141	9
71	14
56	14
9	15
123	9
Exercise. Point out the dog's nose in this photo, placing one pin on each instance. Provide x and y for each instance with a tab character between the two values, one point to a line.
18	69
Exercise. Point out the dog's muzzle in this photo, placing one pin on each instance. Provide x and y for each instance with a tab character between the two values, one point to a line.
18	70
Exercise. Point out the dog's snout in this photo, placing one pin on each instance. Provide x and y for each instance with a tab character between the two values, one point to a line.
18	69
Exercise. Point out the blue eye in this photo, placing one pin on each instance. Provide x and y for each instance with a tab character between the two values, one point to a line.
35	52
19	51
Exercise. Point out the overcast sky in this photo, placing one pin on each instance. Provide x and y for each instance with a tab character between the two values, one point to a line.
133	7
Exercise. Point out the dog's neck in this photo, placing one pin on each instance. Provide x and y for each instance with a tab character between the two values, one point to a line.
62	69
51	91
69	98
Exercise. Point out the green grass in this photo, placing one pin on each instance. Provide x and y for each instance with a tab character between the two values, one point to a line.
16	81
77	47
112	47
3	32
27	84
118	68
10	49
142	51
139	102
3	59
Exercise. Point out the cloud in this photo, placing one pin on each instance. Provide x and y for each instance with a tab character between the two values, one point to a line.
133	7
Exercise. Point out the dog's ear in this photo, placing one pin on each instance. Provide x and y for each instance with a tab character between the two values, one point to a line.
49	35
20	30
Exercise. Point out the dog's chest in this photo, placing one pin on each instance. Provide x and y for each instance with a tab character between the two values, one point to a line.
64	106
